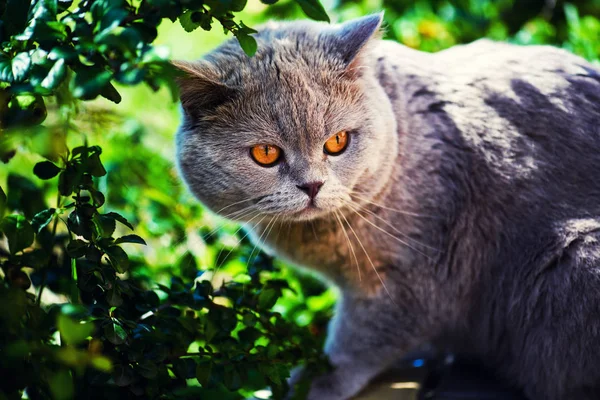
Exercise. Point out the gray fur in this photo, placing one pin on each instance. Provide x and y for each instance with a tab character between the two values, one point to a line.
479	199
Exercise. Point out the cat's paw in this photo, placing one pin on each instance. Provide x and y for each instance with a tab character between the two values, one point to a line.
333	386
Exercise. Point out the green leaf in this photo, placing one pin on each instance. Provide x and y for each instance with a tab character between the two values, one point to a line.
46	170
130	239
248	44
122	375
110	92
203	372
89	83
95	166
187	266
267	298
114	333
73	332
55	76
76	248
18	231
186	21
101	363
105	225
313	9
118	258
113	297
3	201
120	218
16	69
61	385
42	219
147	369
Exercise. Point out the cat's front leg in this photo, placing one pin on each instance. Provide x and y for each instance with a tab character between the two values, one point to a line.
365	338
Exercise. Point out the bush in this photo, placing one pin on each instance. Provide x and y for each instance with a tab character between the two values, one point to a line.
89	308
115	327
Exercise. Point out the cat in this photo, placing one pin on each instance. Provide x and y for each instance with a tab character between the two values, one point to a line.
452	197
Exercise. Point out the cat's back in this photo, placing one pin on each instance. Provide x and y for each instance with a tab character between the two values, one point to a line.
525	113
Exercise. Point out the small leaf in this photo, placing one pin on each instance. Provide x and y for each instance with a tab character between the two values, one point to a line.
18	231
95	166
114	333
16	69
46	170
55	76
187	266
118	258
122	375
105	225
76	248
147	369
313	9
89	83
3	201
101	363
203	372
248	44
113	297
110	92
61	385
186	21
267	298
130	239
42	219
120	218
73	332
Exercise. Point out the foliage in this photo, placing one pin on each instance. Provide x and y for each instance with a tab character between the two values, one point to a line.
113	328
90	309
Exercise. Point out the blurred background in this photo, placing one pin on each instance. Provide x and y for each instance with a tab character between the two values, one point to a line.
137	137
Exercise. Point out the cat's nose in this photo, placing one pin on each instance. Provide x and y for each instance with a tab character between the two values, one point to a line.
310	188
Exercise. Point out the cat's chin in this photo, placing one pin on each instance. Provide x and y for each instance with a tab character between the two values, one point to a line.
309	213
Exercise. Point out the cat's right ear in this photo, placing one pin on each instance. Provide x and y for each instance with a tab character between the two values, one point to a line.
352	40
200	88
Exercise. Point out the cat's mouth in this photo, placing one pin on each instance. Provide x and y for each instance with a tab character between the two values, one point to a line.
311	211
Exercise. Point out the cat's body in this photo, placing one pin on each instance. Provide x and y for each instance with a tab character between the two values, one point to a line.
477	227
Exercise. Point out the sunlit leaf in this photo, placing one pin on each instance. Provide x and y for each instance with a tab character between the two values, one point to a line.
248	44
61	385
313	9
42	219
115	333
73	332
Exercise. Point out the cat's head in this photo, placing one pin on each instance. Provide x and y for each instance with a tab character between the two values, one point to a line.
293	131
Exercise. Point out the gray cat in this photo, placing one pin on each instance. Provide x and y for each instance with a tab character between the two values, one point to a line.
453	197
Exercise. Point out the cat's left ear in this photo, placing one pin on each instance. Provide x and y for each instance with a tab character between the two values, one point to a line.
200	88
353	38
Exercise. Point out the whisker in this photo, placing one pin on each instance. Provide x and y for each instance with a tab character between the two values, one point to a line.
394	228
242	213
257	243
237	202
369	258
392	236
349	243
237	244
356	194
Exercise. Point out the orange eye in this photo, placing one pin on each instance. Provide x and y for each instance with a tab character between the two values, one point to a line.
337	143
265	155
